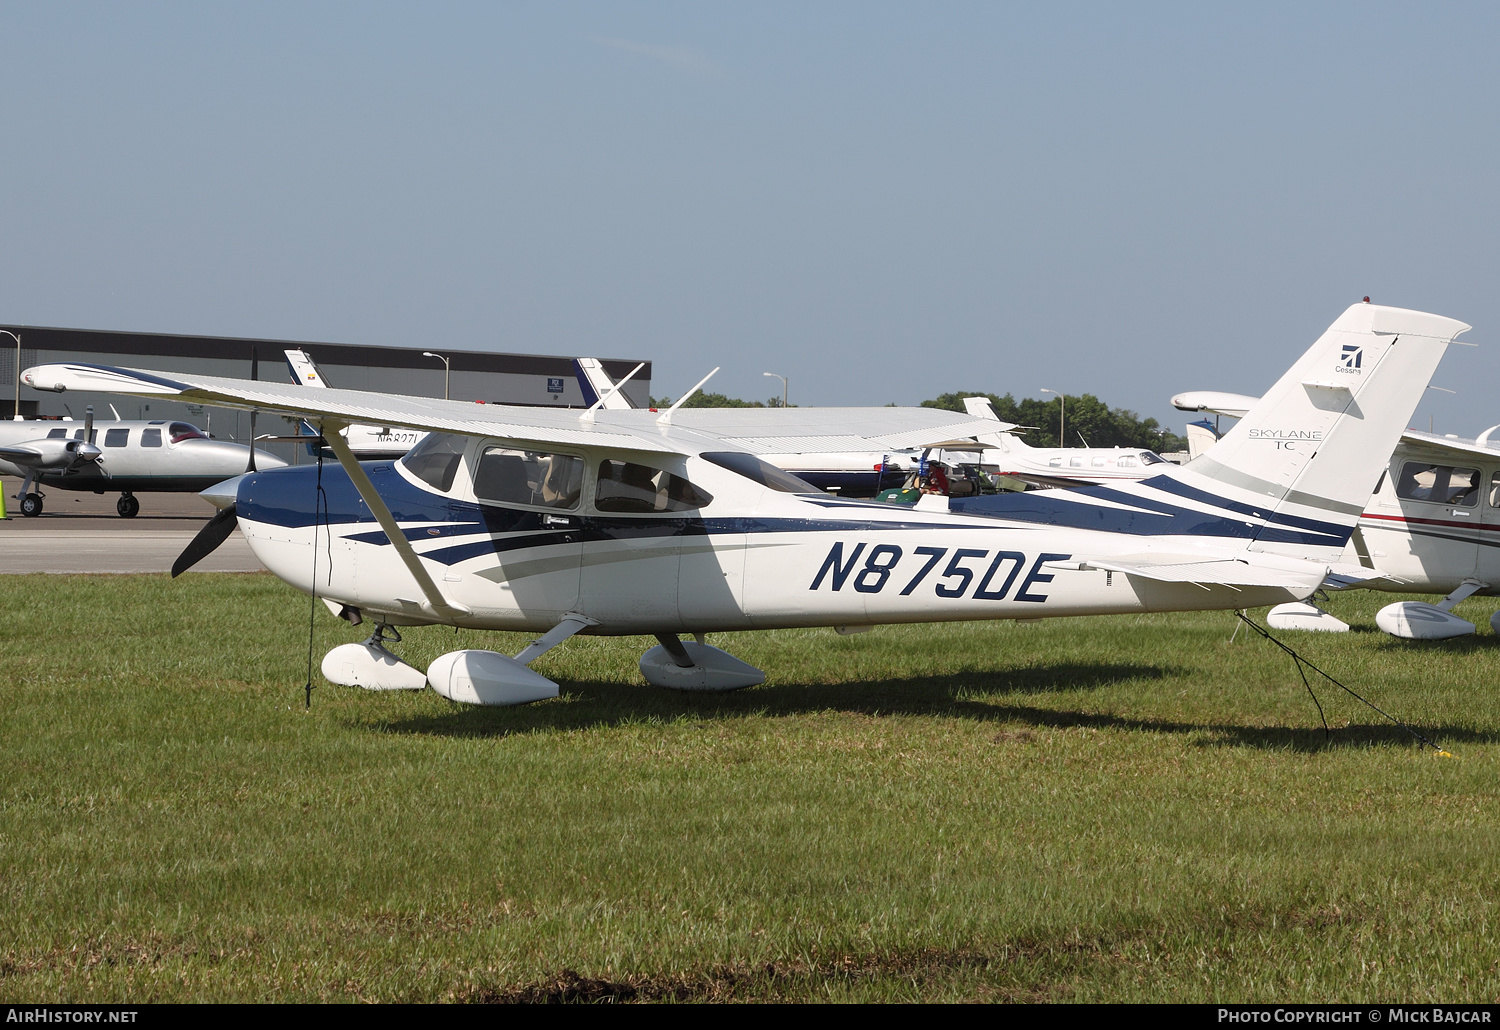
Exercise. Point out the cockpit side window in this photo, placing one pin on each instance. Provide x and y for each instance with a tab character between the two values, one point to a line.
57	434
1495	490
180	431
639	489
150	437
511	476
1442	484
435	460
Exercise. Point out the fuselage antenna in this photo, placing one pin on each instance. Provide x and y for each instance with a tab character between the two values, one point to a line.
588	416
666	417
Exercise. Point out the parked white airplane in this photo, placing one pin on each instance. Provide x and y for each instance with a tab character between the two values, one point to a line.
134	456
624	522
1432	525
1059	466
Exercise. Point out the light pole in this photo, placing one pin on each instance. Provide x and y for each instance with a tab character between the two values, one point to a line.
16	415
447	369
1062	417
773	375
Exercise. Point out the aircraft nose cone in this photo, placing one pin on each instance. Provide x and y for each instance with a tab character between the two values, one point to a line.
222	495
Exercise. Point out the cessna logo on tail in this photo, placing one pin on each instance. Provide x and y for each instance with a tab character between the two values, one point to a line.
1353	355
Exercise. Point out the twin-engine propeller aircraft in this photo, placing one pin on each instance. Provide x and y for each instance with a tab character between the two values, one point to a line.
1432	525
626	522
132	457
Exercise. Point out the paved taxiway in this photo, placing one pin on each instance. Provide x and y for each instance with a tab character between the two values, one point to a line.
79	532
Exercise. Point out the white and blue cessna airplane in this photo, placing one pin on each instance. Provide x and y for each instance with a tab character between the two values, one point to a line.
630	522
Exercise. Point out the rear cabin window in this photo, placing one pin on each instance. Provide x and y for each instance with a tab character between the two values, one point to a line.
116	437
180	431
150	437
1442	484
435	460
639	489
528	477
763	472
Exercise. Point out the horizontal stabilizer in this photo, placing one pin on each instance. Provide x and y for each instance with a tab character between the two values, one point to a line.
1230	572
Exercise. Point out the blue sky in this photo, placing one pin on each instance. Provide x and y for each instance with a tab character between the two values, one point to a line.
881	201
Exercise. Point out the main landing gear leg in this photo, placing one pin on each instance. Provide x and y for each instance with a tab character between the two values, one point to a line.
491	678
31	503
695	665
127	506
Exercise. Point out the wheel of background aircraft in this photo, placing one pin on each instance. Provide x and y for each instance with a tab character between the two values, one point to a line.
127	506
31	505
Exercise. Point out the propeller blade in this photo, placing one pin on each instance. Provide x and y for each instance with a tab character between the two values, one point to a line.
206	542
88	424
251	466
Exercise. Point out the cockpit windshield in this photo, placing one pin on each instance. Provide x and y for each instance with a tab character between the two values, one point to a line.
180	431
1152	458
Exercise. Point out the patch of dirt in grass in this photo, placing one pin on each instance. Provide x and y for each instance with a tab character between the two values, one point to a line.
1018	972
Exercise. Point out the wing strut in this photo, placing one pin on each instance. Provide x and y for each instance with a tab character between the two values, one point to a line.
440	605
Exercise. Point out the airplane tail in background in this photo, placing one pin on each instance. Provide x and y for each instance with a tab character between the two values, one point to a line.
304	372
1307	454
1002	438
594	382
1200	437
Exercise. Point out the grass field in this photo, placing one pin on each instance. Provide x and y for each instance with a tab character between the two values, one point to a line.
1128	808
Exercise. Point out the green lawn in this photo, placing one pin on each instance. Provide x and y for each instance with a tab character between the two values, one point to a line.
1125	808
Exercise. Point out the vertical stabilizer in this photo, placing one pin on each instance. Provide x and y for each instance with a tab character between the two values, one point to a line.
594	383
1309	451
304	372
1002	438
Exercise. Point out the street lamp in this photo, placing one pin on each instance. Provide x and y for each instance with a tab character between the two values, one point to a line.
773	375
447	369
16	415
1062	415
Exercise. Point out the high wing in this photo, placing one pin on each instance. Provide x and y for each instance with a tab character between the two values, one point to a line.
800	430
758	430
1459	448
544	426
